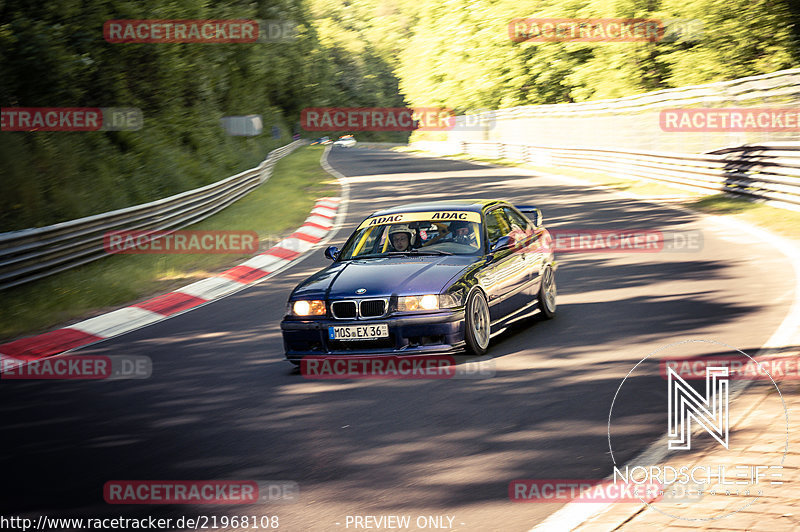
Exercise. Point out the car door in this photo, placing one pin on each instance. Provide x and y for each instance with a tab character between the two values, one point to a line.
504	277
529	243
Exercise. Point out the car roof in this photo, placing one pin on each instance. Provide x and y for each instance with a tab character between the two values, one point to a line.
449	205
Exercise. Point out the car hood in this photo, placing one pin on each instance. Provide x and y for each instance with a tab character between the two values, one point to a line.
383	277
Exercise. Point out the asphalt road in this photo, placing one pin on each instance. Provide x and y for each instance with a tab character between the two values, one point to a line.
222	404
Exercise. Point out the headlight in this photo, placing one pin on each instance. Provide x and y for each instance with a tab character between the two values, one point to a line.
308	308
410	303
451	300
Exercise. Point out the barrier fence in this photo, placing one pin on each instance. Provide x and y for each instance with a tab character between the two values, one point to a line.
635	122
32	254
767	171
622	136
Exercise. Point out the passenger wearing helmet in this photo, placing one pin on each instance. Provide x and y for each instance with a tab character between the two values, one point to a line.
401	237
458	231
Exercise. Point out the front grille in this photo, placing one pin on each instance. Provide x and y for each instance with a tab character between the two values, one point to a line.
372	308
344	309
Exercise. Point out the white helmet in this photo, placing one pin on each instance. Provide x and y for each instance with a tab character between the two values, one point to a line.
402	228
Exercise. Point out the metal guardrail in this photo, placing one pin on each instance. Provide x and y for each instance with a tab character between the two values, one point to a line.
379	144
32	254
767	171
764	87
633	122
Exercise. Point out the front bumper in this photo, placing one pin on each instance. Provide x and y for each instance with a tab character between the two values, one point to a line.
430	333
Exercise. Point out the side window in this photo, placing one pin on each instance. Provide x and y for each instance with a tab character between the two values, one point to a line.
521	229
497	225
518	223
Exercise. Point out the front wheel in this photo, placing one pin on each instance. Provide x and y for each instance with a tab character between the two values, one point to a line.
547	294
477	324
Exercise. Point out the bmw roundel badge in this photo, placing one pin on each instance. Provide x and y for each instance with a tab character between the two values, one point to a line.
361	291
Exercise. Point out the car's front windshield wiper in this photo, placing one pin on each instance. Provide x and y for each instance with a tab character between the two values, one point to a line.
409	253
420	252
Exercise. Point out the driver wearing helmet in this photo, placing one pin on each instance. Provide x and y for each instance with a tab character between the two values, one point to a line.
401	237
462	232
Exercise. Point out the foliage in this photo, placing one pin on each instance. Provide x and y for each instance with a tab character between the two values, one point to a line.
461	55
54	55
348	53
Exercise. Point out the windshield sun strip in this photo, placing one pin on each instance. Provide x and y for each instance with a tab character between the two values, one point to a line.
429	216
363	236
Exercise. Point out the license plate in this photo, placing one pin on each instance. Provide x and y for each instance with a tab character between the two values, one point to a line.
358	332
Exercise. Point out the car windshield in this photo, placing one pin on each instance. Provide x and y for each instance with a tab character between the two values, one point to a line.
416	233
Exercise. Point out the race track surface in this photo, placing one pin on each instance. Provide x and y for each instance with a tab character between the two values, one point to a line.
223	404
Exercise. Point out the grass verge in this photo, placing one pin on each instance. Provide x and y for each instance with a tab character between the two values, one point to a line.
273	210
780	221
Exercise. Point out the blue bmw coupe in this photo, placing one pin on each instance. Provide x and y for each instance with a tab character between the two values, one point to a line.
425	278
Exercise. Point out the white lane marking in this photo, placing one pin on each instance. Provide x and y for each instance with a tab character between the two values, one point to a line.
295	244
344	201
211	288
572	515
222	284
791	323
265	262
117	322
320	220
324	211
309	230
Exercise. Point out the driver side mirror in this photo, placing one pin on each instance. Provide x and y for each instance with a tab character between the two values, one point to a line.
536	218
332	252
504	242
533	214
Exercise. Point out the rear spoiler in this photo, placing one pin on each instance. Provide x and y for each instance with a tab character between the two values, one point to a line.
533	214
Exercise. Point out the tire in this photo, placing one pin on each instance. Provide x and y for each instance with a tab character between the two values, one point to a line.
547	294
477	324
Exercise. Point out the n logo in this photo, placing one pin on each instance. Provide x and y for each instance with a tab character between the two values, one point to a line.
685	404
